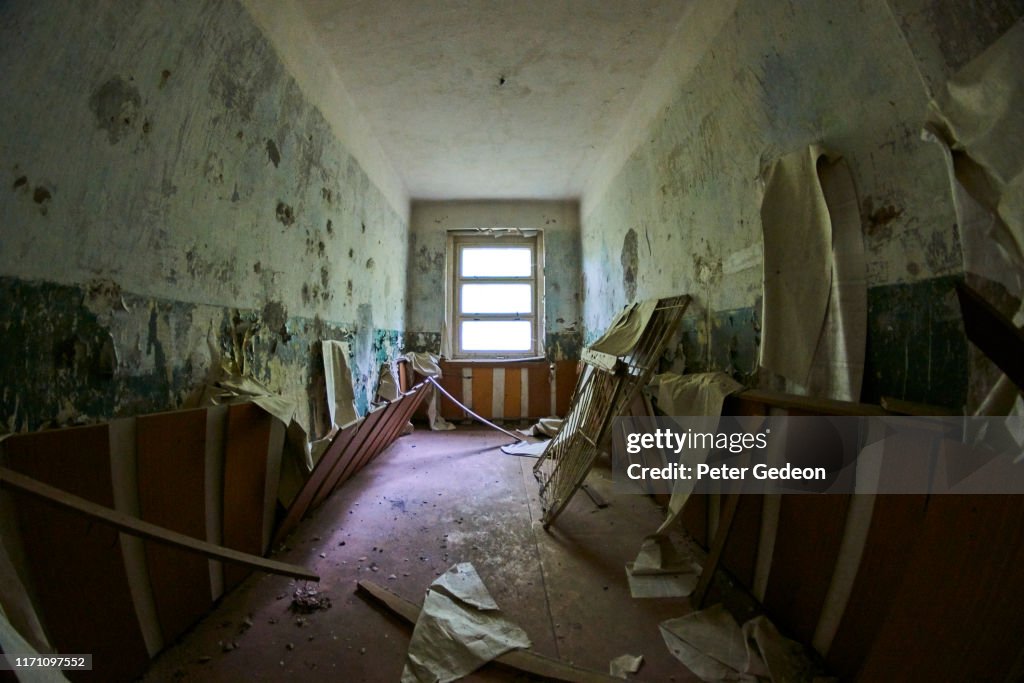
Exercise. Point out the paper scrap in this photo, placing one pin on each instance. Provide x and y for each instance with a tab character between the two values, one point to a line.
341	400
712	645
625	329
625	664
459	629
532	450
429	365
797	265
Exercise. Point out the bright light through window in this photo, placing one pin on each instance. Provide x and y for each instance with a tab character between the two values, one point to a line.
497	298
496	262
494	296
505	335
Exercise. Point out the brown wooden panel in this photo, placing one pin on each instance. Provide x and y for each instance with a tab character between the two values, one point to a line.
77	566
378	440
304	498
451	380
895	525
245	475
806	544
740	554
565	382
539	391
346	452
171	462
513	393
409	404
356	451
483	392
957	615
695	518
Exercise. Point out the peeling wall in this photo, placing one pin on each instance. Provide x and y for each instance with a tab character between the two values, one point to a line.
160	155
429	225
685	207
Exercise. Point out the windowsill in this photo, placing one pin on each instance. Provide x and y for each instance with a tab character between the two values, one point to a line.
496	360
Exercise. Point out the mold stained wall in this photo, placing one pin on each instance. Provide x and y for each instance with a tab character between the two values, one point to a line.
171	200
429	224
855	76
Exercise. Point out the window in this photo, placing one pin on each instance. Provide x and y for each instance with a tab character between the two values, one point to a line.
494	298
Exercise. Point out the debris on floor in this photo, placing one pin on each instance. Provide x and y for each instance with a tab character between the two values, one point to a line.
661	571
309	600
459	629
531	450
712	645
625	664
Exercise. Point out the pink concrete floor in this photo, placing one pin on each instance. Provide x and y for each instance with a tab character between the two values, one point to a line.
431	500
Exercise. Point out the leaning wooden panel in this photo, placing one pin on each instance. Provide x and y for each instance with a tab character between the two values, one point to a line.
375	444
171	461
896	522
134	526
806	545
956	615
77	566
245	475
355	450
304	498
408	403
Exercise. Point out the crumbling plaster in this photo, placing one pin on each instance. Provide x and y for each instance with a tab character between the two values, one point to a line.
683	210
163	152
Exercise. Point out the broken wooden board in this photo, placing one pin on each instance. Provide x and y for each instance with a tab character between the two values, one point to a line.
524	660
77	568
304	499
171	461
136	527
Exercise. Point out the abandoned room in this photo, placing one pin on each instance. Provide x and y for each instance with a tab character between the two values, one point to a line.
332	333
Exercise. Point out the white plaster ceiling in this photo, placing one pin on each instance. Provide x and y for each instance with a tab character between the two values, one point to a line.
427	76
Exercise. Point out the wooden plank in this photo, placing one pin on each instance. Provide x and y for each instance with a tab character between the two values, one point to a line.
695	518
513	393
304	498
245	474
956	614
812	406
524	660
81	507
77	568
992	332
170	456
806	544
539	391
715	555
599	359
740	555
565	382
483	391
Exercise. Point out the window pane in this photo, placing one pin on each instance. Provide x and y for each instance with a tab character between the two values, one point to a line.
496	299
496	262
496	335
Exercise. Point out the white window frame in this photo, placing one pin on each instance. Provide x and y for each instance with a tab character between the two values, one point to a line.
453	317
